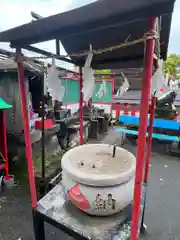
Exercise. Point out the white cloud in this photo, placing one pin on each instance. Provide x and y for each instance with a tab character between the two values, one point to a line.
17	12
14	13
174	46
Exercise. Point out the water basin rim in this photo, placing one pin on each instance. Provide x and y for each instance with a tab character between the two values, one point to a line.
94	179
109	183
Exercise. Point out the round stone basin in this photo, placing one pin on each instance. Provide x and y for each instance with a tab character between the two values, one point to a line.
97	182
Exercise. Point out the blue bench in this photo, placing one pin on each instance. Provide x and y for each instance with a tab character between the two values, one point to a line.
154	135
158	123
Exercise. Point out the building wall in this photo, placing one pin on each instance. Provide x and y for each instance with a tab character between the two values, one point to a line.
9	91
134	97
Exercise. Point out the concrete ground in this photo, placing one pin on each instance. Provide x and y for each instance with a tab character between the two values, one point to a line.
162	214
163	199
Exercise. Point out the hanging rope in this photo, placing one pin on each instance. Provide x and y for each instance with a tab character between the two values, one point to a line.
126	43
147	36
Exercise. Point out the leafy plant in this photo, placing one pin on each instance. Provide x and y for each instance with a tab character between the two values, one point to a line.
172	66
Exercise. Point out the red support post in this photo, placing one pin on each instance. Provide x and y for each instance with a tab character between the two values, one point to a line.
146	85
149	144
26	129
81	105
118	109
133	111
66	92
5	151
113	92
126	112
148	157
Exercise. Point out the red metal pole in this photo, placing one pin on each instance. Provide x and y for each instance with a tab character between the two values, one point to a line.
66	92
113	90
149	144
81	105
118	109
146	85
5	151
148	158
126	112
26	129
133	112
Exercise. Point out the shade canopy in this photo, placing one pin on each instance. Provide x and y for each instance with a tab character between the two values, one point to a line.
102	24
4	105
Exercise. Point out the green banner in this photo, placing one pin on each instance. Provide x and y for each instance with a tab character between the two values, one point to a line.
71	94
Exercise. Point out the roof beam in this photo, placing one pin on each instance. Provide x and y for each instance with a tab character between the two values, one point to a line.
48	54
37	17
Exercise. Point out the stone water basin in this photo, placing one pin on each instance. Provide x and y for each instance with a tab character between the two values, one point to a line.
97	182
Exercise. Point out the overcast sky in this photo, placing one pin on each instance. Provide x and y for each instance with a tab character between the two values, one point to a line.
17	12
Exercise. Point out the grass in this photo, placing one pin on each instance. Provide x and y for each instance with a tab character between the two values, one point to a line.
20	169
49	158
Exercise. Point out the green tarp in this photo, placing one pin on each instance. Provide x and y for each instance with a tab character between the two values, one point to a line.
72	92
4	105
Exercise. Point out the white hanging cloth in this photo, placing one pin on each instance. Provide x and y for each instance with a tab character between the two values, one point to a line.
102	90
45	80
124	87
167	80
88	78
159	85
54	84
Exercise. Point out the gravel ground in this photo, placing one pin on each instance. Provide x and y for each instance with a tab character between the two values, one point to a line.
162	214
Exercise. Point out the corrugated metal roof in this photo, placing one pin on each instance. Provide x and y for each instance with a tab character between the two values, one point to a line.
134	76
8	63
103	24
134	96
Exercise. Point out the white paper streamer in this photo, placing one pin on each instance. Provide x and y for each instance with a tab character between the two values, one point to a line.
158	80
102	90
167	79
45	80
88	78
54	84
124	87
159	83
